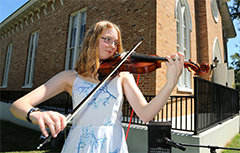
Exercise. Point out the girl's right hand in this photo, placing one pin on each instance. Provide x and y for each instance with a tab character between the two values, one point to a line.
55	121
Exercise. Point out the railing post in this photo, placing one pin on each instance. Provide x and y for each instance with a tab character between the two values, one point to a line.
66	106
231	100
220	103
196	105
238	99
8	96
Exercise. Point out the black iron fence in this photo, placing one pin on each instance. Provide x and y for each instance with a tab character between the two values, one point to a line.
61	103
215	103
178	110
211	104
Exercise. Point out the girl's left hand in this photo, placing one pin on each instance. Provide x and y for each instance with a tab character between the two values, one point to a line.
174	67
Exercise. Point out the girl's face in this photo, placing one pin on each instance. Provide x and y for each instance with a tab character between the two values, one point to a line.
108	43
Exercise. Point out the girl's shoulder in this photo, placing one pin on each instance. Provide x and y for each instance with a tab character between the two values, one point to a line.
65	75
65	78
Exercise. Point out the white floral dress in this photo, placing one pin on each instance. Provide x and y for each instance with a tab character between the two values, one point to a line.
97	126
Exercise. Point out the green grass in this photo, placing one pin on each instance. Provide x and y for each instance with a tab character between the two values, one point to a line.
235	143
14	139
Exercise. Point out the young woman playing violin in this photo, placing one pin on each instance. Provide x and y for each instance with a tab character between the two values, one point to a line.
97	126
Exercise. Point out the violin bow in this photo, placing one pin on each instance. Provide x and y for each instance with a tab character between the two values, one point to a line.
89	96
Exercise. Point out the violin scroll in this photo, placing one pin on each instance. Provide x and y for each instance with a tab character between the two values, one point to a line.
199	70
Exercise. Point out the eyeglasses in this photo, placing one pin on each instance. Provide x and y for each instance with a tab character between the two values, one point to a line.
109	41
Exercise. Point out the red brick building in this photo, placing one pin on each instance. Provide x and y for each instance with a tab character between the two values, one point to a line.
44	37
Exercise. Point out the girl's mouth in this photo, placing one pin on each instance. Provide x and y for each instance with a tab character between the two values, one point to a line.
108	51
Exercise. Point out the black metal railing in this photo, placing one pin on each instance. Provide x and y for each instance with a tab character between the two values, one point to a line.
178	110
61	102
9	96
211	104
215	103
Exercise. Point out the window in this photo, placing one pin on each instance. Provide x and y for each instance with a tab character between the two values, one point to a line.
217	51
76	33
184	27
214	7
31	60
6	68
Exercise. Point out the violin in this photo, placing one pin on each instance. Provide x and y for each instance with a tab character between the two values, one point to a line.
143	64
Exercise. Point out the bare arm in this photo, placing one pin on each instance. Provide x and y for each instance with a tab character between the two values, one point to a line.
146	111
55	121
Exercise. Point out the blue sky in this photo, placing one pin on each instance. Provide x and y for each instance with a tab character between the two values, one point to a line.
7	7
232	49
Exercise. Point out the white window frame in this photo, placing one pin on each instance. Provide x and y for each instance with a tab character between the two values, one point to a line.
7	65
74	44
184	27
31	60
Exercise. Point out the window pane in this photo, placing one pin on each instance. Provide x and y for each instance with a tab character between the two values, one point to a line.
36	42
83	26
7	64
74	30
31	59
178	29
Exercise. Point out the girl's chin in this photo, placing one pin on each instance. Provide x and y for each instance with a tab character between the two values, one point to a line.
104	57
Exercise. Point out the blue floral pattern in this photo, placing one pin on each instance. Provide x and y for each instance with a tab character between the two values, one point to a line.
109	122
116	151
88	137
96	101
85	88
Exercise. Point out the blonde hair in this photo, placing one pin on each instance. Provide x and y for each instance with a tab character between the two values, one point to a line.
88	62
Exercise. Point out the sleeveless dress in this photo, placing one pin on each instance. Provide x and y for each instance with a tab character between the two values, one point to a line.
97	126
